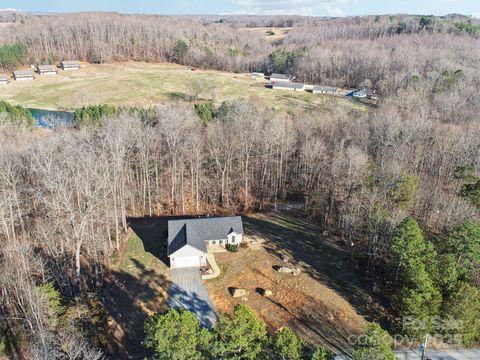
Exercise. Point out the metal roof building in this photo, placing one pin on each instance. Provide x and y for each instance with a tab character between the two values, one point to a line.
70	65
47	70
23	75
291	86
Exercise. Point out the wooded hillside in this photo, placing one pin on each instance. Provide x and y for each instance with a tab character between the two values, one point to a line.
398	184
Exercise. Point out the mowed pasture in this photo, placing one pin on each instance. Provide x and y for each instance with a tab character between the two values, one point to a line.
147	84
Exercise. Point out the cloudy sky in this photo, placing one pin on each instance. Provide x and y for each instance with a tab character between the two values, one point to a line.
258	7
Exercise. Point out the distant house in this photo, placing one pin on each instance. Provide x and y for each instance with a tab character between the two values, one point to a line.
3	79
23	75
359	94
70	65
279	78
291	86
47	70
188	239
318	89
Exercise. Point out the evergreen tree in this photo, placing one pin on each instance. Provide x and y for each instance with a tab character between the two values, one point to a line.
177	335
462	315
287	346
463	245
243	336
375	344
415	296
322	353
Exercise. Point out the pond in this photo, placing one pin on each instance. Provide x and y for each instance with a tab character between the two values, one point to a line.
51	118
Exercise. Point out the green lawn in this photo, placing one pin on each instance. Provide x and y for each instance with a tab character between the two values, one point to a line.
145	84
135	254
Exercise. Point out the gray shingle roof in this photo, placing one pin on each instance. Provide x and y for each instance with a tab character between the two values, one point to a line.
279	76
20	73
194	232
289	85
47	68
70	63
325	88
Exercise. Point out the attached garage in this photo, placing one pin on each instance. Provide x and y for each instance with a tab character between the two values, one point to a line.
185	261
187	256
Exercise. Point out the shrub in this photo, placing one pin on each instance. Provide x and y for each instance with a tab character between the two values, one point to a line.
16	113
244	245
205	111
232	248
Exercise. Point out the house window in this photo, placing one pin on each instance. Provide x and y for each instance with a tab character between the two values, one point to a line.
214	242
233	238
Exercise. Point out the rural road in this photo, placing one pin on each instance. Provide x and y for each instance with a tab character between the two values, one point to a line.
440	355
187	291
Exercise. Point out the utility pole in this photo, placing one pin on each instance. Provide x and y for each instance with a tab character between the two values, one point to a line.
423	348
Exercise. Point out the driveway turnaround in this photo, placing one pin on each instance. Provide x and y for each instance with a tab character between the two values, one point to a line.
187	291
440	355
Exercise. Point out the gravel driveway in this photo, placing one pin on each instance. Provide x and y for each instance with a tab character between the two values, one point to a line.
187	291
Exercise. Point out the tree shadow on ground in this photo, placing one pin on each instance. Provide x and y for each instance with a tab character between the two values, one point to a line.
129	300
153	231
322	257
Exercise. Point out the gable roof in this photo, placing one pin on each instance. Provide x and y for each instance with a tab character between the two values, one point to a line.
324	88
22	73
280	76
194	232
289	85
70	63
47	68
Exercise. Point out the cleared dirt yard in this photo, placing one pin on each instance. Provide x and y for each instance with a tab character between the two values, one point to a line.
324	304
146	84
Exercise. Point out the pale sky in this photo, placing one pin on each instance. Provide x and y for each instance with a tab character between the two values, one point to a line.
254	7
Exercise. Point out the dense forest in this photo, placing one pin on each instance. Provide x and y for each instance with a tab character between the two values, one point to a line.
399	184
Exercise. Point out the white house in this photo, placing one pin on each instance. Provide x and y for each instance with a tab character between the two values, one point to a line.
291	86
279	78
188	239
3	79
317	89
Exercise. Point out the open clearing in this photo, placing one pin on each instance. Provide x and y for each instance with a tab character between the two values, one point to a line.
324	304
273	34
146	84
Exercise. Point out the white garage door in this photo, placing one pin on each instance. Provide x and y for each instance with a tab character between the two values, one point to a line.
186	261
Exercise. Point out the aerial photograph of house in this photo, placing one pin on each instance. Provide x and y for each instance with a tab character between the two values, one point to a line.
240	179
188	240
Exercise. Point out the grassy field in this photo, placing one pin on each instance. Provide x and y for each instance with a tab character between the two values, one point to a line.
145	84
